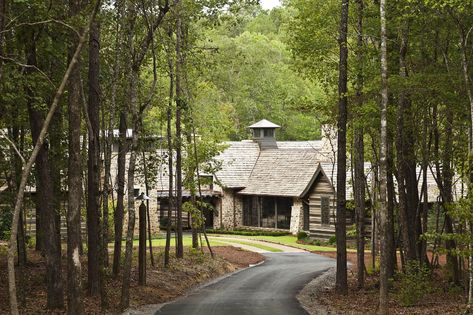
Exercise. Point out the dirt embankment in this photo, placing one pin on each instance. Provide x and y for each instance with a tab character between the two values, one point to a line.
162	284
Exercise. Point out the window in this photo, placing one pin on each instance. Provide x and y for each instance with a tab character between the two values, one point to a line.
306	216
257	133
267	212
325	210
268	133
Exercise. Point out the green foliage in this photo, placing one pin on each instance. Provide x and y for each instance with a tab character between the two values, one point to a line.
248	232
301	235
414	283
6	217
332	240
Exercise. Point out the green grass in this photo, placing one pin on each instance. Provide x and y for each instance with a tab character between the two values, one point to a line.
161	242
289	240
260	246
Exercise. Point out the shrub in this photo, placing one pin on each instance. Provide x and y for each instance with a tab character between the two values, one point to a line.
332	240
163	222
248	232
414	283
302	235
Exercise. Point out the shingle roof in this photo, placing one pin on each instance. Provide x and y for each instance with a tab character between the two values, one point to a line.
282	172
238	161
264	124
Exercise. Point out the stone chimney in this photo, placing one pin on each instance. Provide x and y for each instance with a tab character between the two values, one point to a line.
264	133
329	138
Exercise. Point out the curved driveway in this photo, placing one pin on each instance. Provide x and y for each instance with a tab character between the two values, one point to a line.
269	288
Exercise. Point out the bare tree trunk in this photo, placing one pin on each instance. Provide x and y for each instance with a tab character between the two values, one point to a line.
466	77
50	244
391	194
3	9
145	171
341	278
179	105
383	211
142	245
74	182
407	221
119	211
359	182
93	173
125	294
170	161
29	165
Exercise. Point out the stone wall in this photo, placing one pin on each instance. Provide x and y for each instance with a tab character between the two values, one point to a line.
230	211
297	216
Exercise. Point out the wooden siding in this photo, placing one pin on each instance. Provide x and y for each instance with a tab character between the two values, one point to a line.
321	188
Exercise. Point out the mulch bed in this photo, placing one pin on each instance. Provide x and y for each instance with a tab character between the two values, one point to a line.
443	299
162	284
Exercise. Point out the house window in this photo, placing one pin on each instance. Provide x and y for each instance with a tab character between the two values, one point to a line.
257	133
306	216
325	210
268	133
267	212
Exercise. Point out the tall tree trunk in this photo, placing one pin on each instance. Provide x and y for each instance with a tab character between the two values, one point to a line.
341	278
466	78
93	169
179	105
3	9
125	294
148	221
359	183
74	282
50	242
391	195
119	211
383	211
170	161
407	220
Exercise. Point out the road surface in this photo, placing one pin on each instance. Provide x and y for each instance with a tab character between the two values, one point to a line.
266	289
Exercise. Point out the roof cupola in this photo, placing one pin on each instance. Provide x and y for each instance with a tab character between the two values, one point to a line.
264	133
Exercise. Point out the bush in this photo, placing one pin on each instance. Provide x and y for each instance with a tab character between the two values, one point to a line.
163	223
414	283
6	216
302	235
248	232
332	240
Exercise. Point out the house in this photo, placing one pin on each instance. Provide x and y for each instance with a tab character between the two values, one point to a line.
265	183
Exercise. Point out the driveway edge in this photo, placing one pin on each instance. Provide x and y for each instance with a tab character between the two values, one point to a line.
307	297
151	309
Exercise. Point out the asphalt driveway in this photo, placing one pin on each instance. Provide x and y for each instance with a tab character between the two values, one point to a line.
269	288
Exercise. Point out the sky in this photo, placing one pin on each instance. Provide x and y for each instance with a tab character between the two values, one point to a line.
269	4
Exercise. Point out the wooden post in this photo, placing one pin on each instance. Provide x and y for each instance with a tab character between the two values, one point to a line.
142	245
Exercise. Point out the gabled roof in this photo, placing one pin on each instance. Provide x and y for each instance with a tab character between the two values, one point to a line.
264	124
282	172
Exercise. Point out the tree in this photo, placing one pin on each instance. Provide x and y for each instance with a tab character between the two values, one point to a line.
74	282
27	169
359	183
94	260
341	279
383	217
180	103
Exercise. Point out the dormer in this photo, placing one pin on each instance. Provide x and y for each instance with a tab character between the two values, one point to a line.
264	133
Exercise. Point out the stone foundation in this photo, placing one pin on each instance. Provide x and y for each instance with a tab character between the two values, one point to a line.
297	216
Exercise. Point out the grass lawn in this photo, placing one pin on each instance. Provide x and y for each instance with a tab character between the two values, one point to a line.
260	246
288	240
161	242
